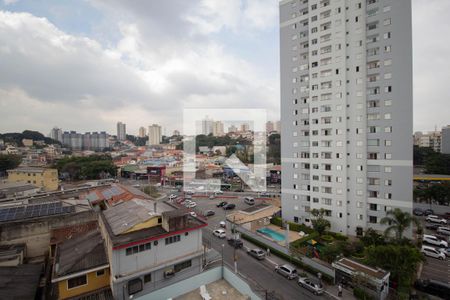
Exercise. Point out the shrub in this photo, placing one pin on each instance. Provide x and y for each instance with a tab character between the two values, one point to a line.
337	236
360	294
327	238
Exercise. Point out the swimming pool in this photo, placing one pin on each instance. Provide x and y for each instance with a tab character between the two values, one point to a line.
271	233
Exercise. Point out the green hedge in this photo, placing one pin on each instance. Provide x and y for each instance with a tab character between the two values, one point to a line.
303	240
292	226
327	238
360	294
337	236
295	261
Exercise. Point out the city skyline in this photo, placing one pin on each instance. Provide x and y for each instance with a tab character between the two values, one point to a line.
241	72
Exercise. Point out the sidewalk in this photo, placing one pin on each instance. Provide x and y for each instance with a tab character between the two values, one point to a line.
330	290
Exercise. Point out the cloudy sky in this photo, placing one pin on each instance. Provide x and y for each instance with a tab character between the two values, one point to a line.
84	65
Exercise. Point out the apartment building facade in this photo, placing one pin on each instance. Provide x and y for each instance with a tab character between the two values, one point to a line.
346	106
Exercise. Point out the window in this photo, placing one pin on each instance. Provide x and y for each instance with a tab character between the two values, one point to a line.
100	273
372	219
388	62
137	249
387	102
387	116
183	265
387	35
134	286
387	22
147	277
76	282
172	239
387	169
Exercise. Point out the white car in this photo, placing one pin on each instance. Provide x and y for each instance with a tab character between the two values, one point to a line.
443	230
431	239
222	224
192	213
173	196
191	205
218	193
436	219
220	233
432	252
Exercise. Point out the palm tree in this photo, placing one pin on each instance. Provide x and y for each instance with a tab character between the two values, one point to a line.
398	221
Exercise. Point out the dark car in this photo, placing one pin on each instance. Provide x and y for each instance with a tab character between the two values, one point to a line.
209	213
239	190
223	203
432	226
229	206
428	212
235	243
433	287
418	212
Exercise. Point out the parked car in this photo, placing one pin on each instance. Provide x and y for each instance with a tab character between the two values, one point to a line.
433	287
257	253
222	224
191	205
418	212
427	212
172	196
249	200
239	190
287	271
221	204
192	213
311	284
218	193
446	251
209	213
432	226
265	194
432	252
435	219
229	206
220	233
235	243
431	239
443	230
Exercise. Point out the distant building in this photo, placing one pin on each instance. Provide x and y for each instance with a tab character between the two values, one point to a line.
95	141
142	132
121	131
27	142
206	126
154	135
150	246
245	127
269	126
41	177
232	128
277	126
431	140
176	133
56	134
445	142
217	129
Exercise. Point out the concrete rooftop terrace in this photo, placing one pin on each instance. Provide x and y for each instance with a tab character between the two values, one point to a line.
218	290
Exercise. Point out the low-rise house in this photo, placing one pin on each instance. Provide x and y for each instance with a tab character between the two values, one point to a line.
20	282
17	189
80	267
150	246
41	177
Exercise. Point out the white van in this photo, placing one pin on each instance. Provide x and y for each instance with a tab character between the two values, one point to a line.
432	252
249	200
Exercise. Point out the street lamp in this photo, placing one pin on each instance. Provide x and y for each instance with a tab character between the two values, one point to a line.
223	246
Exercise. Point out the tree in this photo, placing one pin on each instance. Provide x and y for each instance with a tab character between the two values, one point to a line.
401	260
8	162
398	221
319	223
372	237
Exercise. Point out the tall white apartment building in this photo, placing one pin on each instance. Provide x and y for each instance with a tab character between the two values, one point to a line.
217	128
154	134
121	131
346	106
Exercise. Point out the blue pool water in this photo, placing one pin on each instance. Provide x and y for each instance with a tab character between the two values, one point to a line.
271	233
